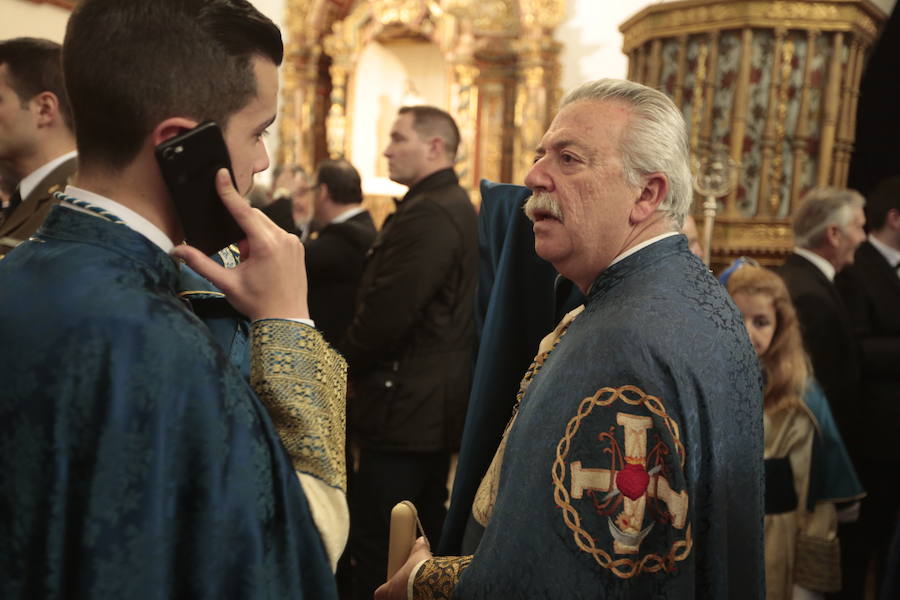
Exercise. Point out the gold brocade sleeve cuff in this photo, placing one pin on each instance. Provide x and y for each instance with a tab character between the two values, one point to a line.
302	382
437	577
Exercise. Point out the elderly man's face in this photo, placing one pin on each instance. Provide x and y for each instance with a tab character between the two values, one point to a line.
850	237
582	203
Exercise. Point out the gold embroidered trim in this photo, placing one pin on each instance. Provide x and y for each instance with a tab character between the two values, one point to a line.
486	495
438	576
302	382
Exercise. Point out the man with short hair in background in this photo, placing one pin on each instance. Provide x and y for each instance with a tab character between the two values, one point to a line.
288	204
410	344
36	137
336	257
138	462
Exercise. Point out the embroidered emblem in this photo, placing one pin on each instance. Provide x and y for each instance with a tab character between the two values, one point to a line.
635	493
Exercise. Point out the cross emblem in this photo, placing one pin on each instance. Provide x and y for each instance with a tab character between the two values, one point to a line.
626	528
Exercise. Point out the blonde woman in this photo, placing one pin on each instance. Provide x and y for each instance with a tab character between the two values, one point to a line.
807	467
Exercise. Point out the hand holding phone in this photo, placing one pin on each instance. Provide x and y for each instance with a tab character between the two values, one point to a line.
189	163
270	281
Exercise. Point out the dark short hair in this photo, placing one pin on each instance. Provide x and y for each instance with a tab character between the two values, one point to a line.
341	179
880	202
430	120
130	64
34	66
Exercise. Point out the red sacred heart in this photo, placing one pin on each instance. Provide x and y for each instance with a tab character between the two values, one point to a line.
632	481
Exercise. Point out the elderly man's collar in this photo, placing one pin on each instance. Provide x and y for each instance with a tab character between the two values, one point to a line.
620	264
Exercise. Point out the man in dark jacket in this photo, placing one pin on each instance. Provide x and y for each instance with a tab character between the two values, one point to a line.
36	137
828	227
870	288
335	258
410	343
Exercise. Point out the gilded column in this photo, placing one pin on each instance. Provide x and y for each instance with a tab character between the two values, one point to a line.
709	93
297	88
682	68
739	114
341	67
780	118
697	102
464	98
537	94
850	91
801	133
655	66
768	137
829	120
530	117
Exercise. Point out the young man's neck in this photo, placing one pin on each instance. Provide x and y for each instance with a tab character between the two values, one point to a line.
46	150
137	188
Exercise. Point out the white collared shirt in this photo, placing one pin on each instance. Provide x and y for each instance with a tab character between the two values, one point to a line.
347	215
129	217
30	181
826	267
891	255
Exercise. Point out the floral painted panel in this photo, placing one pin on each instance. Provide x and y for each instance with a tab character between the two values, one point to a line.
668	76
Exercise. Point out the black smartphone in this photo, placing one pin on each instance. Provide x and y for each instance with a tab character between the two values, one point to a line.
189	163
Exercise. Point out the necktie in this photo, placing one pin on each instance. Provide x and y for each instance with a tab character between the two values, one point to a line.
14	201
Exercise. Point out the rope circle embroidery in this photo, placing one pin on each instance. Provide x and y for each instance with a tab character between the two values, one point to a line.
625	567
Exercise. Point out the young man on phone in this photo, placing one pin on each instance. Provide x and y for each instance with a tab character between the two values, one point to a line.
138	461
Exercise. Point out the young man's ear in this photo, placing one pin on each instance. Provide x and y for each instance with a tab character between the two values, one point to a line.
171	127
652	194
45	107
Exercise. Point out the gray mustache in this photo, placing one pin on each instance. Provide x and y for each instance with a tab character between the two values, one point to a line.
542	202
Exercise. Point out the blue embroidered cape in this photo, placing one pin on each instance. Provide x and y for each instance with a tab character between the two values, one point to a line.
136	460
634	468
516	306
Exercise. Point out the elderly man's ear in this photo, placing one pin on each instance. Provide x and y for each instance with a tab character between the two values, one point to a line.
653	193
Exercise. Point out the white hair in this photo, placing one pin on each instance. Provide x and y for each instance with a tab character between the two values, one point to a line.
821	208
654	140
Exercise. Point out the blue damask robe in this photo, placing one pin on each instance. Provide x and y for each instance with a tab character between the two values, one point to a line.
634	467
136	460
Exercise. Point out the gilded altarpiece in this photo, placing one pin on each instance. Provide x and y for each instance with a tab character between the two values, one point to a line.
775	84
502	74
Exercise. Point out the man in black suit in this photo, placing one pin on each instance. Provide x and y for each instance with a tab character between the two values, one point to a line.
335	258
36	136
870	289
828	228
411	341
288	203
